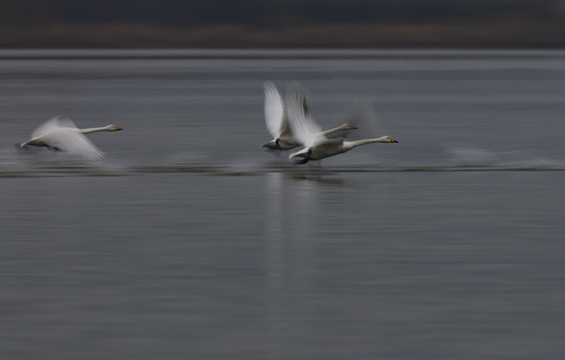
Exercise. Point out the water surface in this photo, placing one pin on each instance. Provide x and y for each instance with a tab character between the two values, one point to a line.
188	241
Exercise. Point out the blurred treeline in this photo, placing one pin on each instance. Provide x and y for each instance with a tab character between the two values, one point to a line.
282	23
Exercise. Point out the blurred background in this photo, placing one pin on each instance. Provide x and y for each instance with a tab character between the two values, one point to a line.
282	23
188	241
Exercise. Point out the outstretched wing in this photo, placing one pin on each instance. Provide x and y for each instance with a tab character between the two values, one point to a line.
362	115
303	126
62	134
274	111
54	123
73	142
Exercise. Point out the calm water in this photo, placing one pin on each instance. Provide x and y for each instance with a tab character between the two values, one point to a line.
189	242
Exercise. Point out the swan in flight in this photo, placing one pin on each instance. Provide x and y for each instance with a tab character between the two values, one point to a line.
62	135
307	131
277	121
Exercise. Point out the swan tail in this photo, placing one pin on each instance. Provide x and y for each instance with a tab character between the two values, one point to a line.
25	149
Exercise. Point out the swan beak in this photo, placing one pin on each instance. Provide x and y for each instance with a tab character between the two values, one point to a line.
392	140
115	128
352	127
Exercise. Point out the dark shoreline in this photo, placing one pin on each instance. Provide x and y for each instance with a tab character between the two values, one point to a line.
172	54
500	34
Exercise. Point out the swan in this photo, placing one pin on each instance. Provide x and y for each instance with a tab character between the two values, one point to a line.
316	145
62	135
277	121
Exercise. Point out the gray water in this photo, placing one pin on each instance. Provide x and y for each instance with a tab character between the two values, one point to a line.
187	241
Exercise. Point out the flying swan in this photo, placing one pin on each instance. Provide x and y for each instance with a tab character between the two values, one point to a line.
277	121
62	135
307	131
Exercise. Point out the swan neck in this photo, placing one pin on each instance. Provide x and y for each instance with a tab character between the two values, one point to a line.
91	130
334	130
383	139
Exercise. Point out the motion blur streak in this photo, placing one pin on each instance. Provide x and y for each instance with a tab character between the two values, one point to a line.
188	242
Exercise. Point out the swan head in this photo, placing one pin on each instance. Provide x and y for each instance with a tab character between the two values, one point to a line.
386	139
112	128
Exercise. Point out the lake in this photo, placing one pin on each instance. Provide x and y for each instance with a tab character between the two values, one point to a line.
188	241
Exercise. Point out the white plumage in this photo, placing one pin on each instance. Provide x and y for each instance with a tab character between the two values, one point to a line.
277	124
62	135
307	131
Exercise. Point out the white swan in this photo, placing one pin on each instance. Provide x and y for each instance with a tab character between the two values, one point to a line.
63	135
277	121
307	131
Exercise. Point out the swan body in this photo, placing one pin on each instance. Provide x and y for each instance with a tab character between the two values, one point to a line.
316	145
330	147
290	142
277	121
62	135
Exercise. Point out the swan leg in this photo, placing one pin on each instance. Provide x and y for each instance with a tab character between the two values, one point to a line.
315	164
276	153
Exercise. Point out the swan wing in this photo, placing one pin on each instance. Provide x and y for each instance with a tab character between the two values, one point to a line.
304	127
274	111
362	115
52	124
72	141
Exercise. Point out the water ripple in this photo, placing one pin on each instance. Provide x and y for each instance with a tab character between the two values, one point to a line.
219	170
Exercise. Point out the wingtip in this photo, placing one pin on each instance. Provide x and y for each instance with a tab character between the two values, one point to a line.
269	86
98	156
